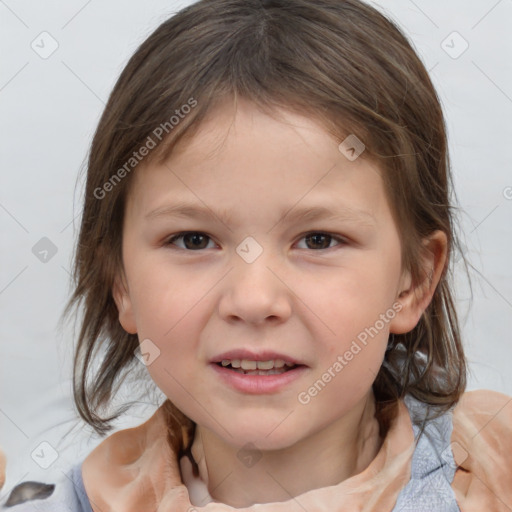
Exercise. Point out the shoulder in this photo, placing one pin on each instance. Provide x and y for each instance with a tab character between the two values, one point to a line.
482	419
432	467
484	401
481	446
2	468
66	494
462	458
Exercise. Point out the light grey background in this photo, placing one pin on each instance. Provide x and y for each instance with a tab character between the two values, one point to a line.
49	108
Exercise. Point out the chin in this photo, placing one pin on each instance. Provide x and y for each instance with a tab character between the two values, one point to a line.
264	436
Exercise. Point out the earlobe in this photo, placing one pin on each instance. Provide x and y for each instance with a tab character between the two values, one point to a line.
415	298
124	306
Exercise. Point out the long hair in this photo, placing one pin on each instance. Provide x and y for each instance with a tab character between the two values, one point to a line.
341	62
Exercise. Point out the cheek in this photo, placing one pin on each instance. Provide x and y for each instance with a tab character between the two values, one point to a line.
348	300
353	311
175	367
171	308
165	296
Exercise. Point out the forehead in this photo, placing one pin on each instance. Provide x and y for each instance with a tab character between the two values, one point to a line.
246	159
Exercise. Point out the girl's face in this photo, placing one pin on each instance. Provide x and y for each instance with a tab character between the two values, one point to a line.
291	253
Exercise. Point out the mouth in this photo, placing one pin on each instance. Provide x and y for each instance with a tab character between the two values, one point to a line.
248	367
257	373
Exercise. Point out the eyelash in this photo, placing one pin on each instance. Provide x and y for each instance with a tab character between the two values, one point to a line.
169	242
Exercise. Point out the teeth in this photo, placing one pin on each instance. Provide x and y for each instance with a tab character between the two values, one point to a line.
274	371
246	364
265	365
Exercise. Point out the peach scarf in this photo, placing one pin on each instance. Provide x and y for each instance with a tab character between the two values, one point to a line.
138	469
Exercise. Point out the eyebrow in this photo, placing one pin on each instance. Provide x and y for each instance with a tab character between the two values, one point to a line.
183	209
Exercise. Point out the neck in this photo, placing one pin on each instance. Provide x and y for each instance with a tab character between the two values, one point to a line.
339	451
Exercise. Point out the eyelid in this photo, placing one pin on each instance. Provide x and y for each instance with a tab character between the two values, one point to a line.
340	239
167	241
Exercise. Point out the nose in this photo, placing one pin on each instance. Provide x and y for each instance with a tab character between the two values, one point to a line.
255	292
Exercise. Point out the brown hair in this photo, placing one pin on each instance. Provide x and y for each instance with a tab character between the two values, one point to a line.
341	62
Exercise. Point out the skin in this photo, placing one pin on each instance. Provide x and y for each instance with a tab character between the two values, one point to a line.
305	298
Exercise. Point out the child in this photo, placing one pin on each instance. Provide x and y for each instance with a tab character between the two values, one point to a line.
267	227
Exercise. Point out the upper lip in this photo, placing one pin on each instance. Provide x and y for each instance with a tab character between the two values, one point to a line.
265	355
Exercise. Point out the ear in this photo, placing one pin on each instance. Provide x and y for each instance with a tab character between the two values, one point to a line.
415	298
124	304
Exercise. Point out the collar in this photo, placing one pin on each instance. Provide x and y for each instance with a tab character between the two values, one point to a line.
149	467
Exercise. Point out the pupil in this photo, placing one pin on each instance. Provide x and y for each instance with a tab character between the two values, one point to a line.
316	238
195	240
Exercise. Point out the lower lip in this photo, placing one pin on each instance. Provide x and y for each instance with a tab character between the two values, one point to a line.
258	384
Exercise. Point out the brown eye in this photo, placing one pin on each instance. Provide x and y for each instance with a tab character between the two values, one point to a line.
193	240
320	241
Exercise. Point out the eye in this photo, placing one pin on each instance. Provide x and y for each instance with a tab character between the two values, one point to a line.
196	240
193	240
320	241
